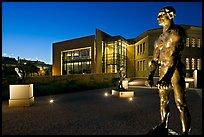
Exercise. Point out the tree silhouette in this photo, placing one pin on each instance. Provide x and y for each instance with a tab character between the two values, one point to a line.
30	68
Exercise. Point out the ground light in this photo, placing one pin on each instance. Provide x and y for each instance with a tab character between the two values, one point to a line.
130	99
51	101
106	94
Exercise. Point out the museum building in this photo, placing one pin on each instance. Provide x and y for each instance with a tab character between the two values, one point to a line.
103	53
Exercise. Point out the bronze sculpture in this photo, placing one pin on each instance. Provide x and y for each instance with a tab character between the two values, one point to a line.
167	51
21	74
122	76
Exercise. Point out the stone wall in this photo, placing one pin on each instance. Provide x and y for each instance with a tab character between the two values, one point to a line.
77	78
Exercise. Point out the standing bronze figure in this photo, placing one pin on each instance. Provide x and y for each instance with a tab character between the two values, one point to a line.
167	51
122	76
21	74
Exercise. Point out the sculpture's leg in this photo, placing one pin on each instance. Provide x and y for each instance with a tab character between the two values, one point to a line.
178	84
185	117
164	106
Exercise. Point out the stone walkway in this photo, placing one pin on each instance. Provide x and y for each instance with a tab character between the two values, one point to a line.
91	113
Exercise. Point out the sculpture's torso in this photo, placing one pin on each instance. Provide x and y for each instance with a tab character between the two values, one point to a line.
167	49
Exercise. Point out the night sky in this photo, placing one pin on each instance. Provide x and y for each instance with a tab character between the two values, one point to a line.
30	28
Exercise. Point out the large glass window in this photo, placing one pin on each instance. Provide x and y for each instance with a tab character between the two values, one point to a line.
77	61
114	55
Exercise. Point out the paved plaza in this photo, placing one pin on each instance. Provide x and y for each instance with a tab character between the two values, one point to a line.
92	113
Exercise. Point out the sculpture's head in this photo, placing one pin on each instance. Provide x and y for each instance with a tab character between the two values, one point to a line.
166	15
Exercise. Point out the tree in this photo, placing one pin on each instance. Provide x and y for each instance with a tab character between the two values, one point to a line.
30	68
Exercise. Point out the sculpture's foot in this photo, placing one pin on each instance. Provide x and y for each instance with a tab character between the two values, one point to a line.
186	132
158	130
161	130
172	132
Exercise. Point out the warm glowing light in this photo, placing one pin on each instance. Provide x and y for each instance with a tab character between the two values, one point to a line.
189	79
130	99
106	94
51	101
149	64
77	49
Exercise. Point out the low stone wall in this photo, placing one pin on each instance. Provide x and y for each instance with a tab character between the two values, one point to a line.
77	78
140	81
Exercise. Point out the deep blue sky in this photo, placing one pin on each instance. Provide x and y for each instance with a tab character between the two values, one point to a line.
30	28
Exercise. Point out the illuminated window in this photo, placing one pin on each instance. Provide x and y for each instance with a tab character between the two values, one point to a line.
76	61
193	63
144	65
76	53
198	43
199	64
85	54
143	47
114	55
193	42
141	65
187	42
187	64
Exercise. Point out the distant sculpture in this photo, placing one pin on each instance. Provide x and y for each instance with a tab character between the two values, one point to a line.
21	74
122	76
167	51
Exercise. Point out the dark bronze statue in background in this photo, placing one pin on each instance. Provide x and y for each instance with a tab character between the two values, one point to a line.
167	51
21	74
122	76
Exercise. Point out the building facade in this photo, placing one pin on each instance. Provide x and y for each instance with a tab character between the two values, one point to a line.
100	53
103	53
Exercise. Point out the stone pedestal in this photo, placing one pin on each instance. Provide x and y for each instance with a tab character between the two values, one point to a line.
21	95
123	93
